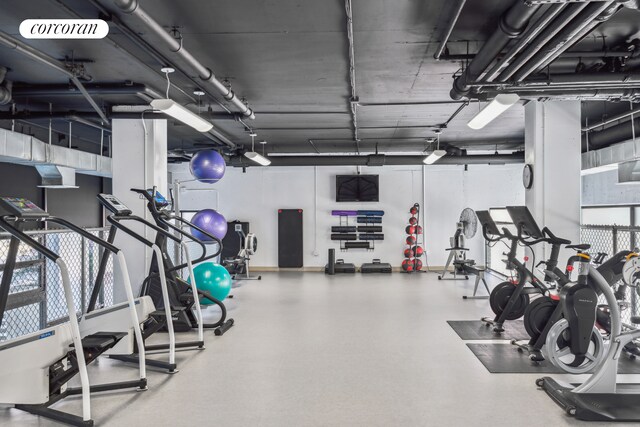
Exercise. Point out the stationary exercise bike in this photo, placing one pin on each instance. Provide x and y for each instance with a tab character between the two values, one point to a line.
544	312
601	397
509	300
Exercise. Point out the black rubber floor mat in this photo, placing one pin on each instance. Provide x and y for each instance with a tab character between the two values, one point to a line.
470	330
506	359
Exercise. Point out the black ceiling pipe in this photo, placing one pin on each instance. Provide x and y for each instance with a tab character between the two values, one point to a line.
585	79
85	118
375	160
136	89
592	16
612	135
573	93
525	40
565	18
207	77
512	24
68	90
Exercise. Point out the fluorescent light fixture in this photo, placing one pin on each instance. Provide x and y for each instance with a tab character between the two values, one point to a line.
255	157
434	157
499	105
178	112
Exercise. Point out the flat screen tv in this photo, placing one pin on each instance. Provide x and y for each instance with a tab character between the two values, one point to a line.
357	188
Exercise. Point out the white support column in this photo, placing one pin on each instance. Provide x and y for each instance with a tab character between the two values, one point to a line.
553	147
139	161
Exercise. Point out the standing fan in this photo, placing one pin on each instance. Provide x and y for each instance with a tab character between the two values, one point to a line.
469	222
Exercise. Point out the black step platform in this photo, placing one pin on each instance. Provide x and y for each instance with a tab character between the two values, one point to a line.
506	359
470	330
102	340
342	267
375	267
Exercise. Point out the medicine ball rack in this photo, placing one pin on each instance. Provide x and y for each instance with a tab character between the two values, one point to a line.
359	234
414	243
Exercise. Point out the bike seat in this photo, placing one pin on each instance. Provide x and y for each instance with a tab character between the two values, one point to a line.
635	320
580	247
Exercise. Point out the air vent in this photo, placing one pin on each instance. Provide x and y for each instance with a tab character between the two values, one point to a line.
53	176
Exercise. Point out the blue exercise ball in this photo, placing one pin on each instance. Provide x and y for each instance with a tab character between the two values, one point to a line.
214	279
211	221
207	166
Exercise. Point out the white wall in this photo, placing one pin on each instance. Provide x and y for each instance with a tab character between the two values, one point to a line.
256	195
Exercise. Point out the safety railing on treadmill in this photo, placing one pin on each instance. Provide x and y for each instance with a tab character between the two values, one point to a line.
37	280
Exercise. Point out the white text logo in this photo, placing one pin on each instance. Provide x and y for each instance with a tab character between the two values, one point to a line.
64	29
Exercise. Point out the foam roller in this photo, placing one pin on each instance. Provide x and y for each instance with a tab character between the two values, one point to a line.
357	245
371	213
368	236
343	229
342	236
369	220
369	229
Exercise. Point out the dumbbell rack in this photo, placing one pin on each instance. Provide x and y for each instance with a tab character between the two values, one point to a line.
412	262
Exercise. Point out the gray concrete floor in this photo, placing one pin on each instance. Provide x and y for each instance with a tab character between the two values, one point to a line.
313	350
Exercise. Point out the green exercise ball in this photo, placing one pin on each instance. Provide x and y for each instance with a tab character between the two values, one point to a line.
212	278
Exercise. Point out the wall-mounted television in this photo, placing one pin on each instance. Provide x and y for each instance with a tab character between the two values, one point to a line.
357	188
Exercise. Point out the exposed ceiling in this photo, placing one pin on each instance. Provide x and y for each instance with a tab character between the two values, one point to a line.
290	60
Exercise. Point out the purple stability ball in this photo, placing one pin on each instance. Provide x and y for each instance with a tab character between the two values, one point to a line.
210	221
207	166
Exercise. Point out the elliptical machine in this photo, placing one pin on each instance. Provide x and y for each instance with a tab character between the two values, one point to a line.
181	293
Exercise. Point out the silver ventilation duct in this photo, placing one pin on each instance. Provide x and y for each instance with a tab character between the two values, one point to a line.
57	177
629	172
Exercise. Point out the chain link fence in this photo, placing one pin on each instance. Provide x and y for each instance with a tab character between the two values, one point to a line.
36	295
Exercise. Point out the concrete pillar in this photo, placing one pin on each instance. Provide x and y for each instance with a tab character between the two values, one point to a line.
139	159
553	147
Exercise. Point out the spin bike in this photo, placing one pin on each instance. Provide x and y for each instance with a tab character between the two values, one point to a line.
600	397
544	312
509	300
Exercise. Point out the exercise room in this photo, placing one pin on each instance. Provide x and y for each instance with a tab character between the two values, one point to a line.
319	213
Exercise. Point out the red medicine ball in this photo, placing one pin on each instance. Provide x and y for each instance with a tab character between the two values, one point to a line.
418	265
411	229
411	240
407	265
413	220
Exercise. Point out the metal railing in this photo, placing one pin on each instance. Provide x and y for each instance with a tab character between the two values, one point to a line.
36	297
